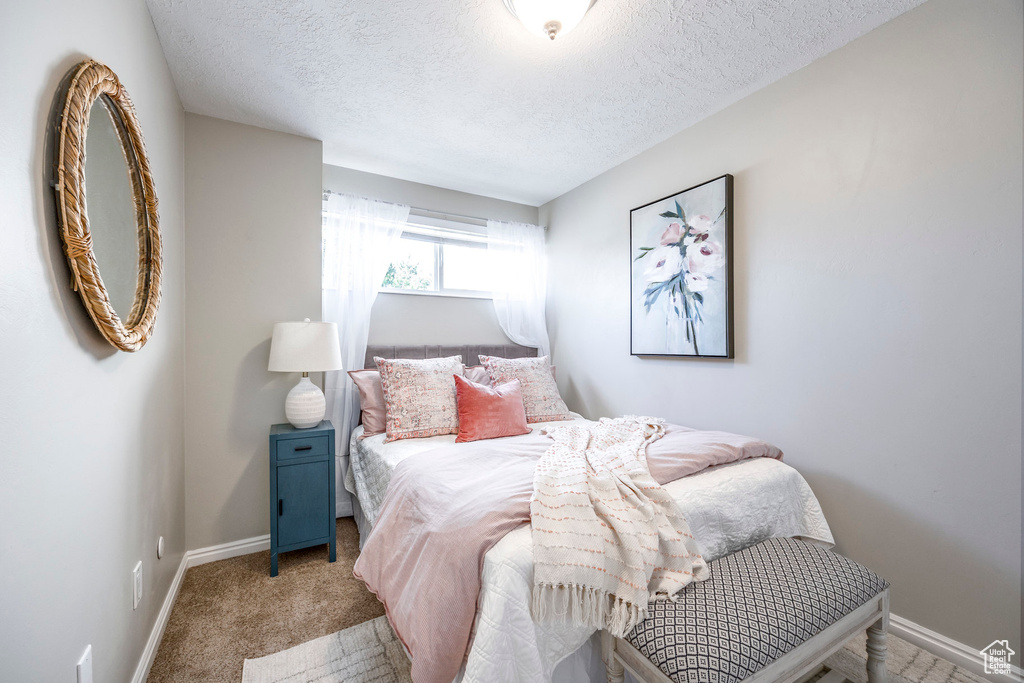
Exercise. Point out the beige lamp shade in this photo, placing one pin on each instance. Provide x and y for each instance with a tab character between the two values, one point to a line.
304	347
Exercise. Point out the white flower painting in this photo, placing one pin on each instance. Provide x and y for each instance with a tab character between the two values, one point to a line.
681	281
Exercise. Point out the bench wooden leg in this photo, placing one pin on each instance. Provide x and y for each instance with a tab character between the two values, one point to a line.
613	667
877	652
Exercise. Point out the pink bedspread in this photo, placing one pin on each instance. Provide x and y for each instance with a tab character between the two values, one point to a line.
445	508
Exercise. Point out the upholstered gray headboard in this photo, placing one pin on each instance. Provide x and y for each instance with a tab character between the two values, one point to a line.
470	353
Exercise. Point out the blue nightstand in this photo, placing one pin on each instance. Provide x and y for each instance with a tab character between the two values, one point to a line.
302	505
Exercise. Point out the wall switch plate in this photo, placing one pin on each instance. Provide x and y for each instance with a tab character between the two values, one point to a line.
84	667
137	585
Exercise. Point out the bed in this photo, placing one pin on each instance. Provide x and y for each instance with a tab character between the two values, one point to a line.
375	468
729	507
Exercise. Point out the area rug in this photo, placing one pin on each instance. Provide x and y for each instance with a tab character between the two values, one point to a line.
370	653
365	653
906	663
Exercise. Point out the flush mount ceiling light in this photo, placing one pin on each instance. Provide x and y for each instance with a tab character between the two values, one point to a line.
549	18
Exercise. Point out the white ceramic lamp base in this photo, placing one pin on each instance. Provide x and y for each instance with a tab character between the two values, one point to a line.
305	405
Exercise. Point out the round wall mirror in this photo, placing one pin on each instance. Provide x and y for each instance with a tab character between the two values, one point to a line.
111	209
107	207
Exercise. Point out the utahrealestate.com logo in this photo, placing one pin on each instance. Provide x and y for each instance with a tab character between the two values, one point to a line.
997	657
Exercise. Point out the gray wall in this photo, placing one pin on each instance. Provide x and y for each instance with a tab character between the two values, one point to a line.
415	319
878	299
252	258
92	466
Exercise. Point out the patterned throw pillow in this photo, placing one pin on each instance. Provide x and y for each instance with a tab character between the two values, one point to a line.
540	393
479	374
419	396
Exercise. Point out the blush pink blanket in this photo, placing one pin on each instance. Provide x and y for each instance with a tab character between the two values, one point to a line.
445	508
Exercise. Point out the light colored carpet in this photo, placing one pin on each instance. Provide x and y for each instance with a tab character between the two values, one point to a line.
370	653
232	609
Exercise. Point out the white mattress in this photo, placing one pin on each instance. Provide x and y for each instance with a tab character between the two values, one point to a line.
728	508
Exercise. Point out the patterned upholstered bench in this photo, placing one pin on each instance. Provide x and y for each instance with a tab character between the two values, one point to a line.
771	613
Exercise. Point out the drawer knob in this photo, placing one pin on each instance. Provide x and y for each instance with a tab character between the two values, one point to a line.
303	448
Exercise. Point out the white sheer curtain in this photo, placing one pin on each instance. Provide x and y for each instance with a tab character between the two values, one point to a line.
359	236
521	276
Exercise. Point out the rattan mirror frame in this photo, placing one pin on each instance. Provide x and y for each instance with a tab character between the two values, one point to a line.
89	81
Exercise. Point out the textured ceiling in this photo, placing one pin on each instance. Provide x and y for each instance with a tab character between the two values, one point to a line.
456	93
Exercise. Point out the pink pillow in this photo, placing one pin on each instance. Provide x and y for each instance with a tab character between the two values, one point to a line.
477	374
371	401
489	412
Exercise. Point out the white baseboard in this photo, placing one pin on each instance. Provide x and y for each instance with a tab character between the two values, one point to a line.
939	645
224	551
157	634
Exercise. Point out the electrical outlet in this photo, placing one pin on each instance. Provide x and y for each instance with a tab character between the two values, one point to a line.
137	585
84	667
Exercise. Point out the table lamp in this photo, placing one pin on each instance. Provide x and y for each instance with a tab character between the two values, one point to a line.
305	347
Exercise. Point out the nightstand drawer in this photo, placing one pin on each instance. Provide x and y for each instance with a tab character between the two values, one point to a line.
302	448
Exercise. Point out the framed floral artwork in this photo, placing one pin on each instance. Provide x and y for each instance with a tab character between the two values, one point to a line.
681	285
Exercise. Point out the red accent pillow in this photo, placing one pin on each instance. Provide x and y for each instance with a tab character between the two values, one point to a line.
489	412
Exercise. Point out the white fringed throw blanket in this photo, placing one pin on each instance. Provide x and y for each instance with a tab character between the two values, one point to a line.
606	537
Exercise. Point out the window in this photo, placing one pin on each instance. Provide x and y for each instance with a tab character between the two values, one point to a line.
441	257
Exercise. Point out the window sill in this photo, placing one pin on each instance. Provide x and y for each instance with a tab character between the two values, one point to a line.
446	295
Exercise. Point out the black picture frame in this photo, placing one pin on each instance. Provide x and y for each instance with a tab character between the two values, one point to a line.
685	296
